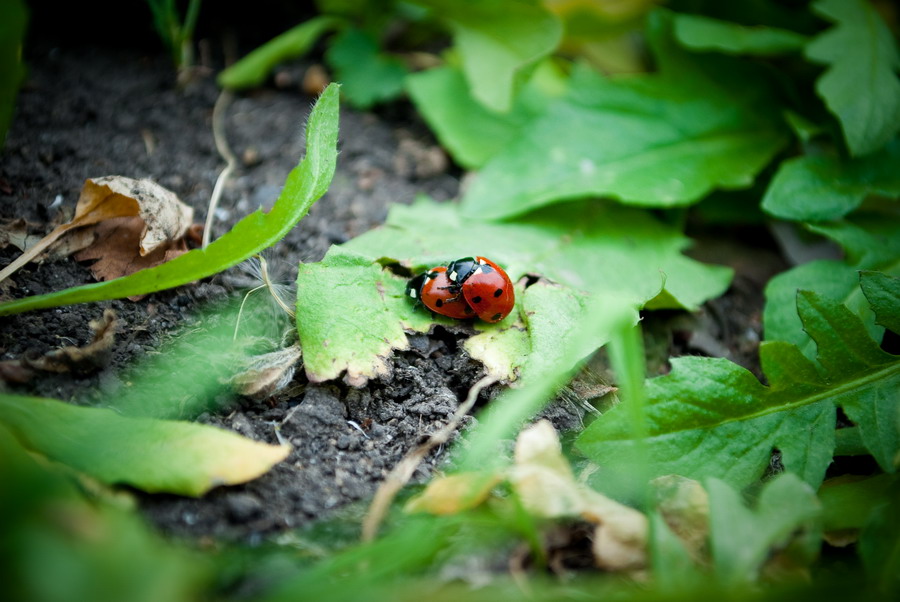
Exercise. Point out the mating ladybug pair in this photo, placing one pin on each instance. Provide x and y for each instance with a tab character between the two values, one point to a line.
467	287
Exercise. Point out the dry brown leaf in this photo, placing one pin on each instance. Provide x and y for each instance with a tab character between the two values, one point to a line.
454	493
268	373
116	249
85	359
164	218
545	483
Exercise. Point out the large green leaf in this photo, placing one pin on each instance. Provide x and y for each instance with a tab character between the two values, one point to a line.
870	242
742	538
659	140
497	40
703	33
711	417
153	455
63	543
593	247
472	133
822	187
253	69
304	186
351	312
367	75
860	85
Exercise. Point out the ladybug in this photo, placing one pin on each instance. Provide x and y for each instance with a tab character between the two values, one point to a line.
484	285
434	289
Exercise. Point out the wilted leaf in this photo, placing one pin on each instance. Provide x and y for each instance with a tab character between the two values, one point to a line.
822	187
367	75
496	40
162	219
153	455
80	360
115	251
305	185
684	505
783	520
454	493
711	417
860	85
703	33
544	481
659	140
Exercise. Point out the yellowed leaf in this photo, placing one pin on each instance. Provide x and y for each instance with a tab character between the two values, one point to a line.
545	483
454	493
684	505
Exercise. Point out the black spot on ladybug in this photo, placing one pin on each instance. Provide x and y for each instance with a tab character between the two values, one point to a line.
476	300
498	292
468	309
495	317
439	302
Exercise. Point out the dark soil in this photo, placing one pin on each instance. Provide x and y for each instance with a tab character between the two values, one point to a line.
95	112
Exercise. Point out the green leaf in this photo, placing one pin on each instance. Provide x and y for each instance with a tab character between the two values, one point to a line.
153	455
870	242
497	40
13	19
588	246
823	187
616	249
367	75
860	85
711	417
848	501
470	132
882	292
705	34
879	546
253	69
351	313
94	546
660	140
742	539
305	185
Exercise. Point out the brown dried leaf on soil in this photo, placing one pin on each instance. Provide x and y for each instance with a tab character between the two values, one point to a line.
156	224
78	360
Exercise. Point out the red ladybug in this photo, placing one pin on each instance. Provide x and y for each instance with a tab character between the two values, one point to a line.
438	294
484	285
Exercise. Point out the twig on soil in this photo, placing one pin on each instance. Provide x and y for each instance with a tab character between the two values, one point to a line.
218	128
403	471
